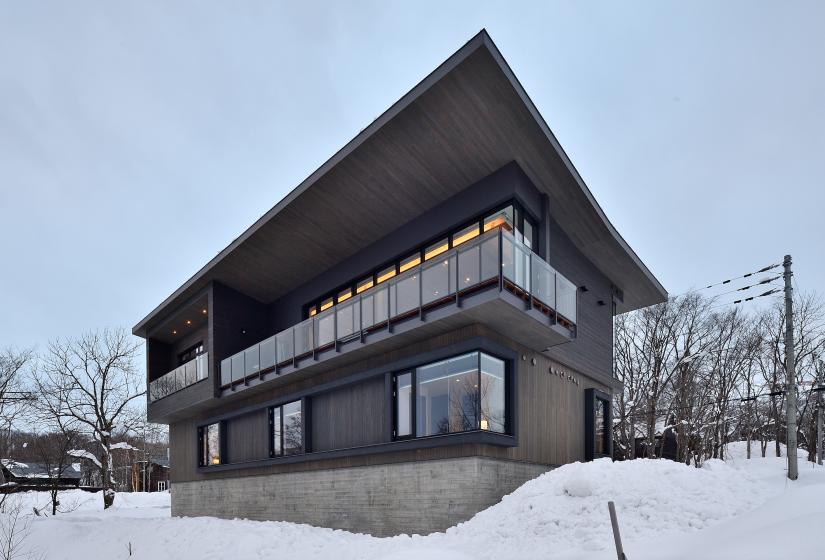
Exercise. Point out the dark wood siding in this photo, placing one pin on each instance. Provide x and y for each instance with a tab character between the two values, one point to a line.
349	417
247	437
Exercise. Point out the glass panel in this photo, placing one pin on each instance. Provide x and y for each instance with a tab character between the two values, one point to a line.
465	235
403	405
212	444
489	258
437	279
344	296
191	372
364	284
277	447
409	262
293	438
283	340
303	337
405	295
203	366
446	396
515	262
325	328
368	310
436	249
237	367
543	281
385	274
180	378
565	298
268	353
601	415
252	360
491	394
502	218
348	320
468	272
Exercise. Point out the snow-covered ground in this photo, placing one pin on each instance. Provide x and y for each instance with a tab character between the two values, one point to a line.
738	509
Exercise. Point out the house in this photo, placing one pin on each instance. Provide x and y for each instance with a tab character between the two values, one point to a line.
418	328
36	476
150	475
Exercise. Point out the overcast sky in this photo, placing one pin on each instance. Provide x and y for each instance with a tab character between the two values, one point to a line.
138	139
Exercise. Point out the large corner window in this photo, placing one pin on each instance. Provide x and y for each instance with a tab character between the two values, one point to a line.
459	394
286	429
209	443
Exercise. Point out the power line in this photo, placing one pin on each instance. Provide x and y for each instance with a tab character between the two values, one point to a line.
742	289
749	274
747	299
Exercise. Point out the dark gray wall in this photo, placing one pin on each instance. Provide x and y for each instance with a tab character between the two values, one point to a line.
592	350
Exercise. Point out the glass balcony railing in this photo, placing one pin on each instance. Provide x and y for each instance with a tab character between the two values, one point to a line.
180	378
494	258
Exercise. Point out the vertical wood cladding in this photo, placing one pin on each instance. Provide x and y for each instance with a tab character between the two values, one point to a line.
350	417
247	437
550	408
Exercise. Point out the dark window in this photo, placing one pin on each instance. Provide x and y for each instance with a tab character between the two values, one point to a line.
598	425
529	233
190	353
209	439
459	394
286	423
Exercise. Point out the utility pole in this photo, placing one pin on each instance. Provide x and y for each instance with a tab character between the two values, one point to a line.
820	386
790	373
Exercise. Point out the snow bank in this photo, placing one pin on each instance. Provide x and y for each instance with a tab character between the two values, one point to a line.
666	510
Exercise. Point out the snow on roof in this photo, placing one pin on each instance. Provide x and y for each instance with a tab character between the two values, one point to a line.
38	470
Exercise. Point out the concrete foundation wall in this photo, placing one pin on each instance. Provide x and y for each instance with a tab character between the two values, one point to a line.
420	497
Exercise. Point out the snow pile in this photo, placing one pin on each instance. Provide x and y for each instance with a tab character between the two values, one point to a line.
567	508
666	511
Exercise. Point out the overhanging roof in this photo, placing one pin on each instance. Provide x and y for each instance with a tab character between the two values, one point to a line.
465	120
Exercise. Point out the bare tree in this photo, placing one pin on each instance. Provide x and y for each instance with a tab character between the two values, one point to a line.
13	396
90	383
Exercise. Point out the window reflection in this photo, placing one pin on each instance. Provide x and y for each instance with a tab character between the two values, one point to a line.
211	445
287	429
601	416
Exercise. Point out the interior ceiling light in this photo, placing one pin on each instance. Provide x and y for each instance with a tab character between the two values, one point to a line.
188	322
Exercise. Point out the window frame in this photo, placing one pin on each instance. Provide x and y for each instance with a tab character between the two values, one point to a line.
201	439
271	431
509	403
592	399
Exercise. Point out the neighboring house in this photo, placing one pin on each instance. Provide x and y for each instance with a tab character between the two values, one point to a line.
418	328
33	476
154	478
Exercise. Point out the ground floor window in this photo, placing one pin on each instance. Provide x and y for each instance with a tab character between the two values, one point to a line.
209	440
286	429
458	394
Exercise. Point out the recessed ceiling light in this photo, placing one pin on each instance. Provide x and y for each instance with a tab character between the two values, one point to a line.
204	311
174	332
188	322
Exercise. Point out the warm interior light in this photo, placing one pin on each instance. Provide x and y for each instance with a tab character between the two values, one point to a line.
436	250
216	460
484	424
326	305
174	332
312	312
495	222
204	311
386	275
344	296
465	235
410	262
364	285
188	322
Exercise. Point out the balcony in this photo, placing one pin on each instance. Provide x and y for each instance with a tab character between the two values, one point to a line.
180	378
492	262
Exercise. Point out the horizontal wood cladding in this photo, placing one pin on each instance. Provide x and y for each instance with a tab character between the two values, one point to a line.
550	411
353	416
